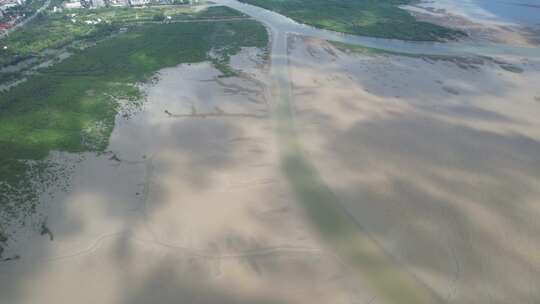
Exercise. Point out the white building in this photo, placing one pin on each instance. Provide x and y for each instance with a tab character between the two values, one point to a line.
138	2
98	3
118	2
73	4
5	5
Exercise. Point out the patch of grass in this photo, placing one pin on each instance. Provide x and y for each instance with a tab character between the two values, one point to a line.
220	12
358	49
7	77
375	18
55	30
46	31
71	106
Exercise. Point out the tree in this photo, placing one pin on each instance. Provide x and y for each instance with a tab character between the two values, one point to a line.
158	17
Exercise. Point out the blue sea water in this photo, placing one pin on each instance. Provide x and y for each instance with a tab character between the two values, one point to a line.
523	12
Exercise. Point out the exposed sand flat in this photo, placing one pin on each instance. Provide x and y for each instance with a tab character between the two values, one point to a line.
439	163
187	207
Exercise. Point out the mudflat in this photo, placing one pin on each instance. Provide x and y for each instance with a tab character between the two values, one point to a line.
437	160
226	167
187	204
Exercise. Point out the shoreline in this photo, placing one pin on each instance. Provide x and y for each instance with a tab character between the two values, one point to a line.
479	29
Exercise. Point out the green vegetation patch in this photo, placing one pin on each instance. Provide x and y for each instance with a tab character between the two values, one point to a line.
72	106
470	62
52	30
369	51
376	18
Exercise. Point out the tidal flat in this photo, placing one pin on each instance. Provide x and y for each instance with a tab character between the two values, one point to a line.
71	106
438	161
186	202
253	165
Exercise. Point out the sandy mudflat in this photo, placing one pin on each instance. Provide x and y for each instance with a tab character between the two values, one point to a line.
439	163
188	206
436	161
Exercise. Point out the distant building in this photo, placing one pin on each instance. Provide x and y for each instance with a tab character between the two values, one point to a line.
139	2
118	2
73	4
12	2
98	3
5	5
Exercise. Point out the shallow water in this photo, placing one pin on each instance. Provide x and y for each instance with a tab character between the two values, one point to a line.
521	12
281	23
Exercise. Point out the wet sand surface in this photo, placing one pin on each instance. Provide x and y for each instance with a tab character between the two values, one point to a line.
438	163
185	207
